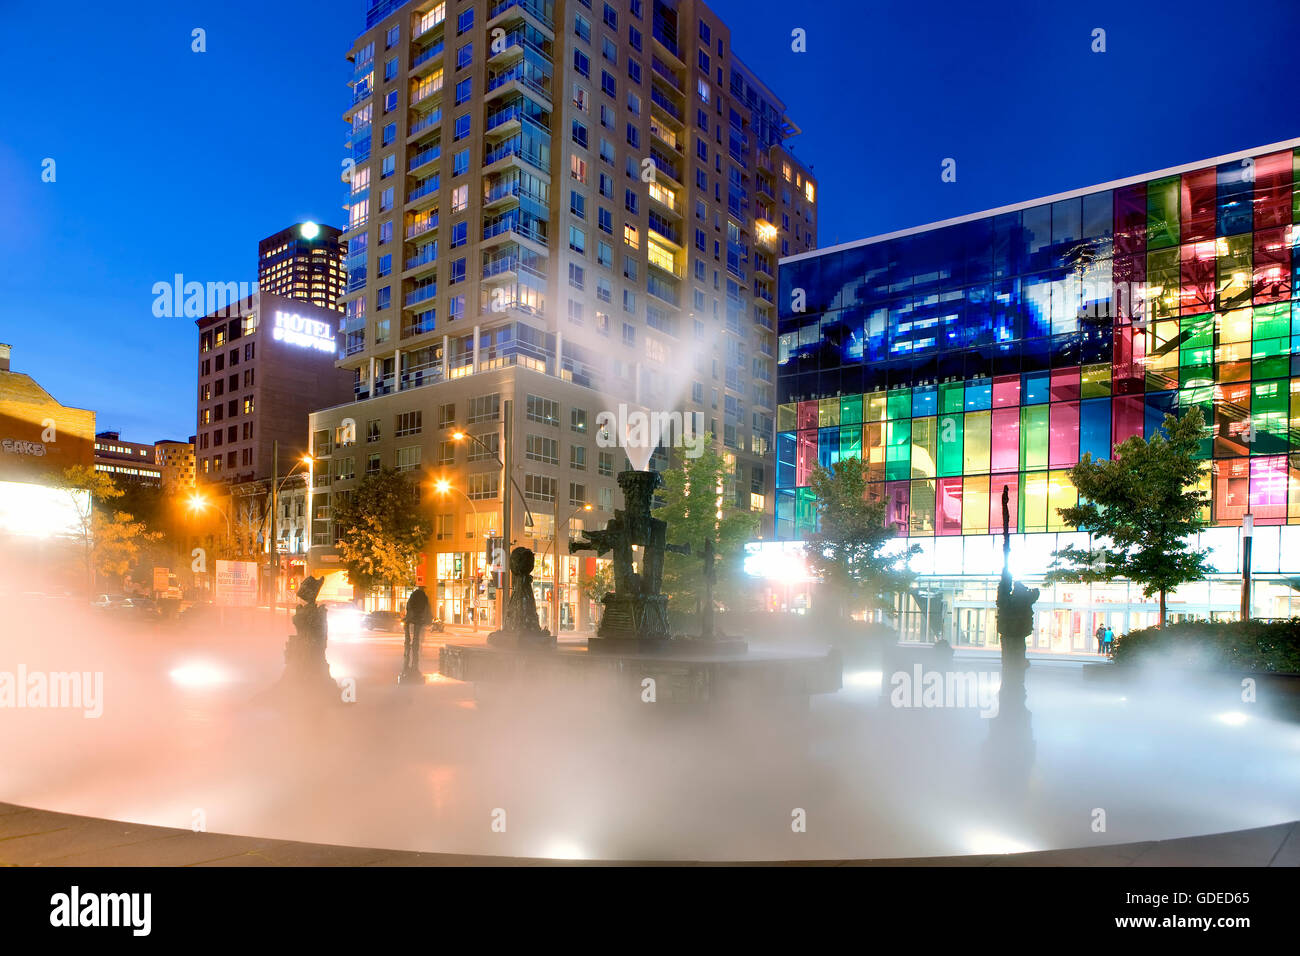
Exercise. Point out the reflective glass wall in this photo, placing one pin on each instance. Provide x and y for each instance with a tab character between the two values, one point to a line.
996	352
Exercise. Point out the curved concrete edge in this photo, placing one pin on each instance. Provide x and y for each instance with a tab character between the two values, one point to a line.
30	837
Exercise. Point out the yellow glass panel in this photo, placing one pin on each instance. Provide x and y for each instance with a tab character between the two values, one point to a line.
975	505
1034	495
1235	326
1060	494
976	457
921	516
828	412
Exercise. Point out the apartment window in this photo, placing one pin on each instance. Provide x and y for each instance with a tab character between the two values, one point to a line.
576	313
577	240
344	469
408	459
390	101
602	323
578	169
577	204
634	71
465	21
605	220
391	38
464	89
486	448
630	236
629	268
461	128
443	527
390	69
484	408
608	85
611	17
606	499
604	290
383	297
460	162
373	465
581	27
543	410
484	486
446	415
605	463
577	494
385	231
456	305
633	140
629	331
385	265
578	420
576	275
390	133
578	457
457	272
408	423
460	198
580	134
608	120
607	186
540	448
539	487
629	305
605	255
608	50
465	55
633	104
459	235
634	37
446	453
581	64
248	404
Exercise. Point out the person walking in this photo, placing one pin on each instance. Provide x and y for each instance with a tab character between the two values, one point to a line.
1108	641
1100	635
418	616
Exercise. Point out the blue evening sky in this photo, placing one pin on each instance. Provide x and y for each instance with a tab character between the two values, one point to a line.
172	161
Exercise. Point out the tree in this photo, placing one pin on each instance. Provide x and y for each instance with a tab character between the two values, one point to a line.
380	531
599	584
697	507
110	538
852	550
1143	506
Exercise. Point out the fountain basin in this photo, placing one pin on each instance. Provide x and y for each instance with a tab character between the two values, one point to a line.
682	676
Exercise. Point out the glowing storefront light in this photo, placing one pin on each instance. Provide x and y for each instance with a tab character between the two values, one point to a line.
299	330
38	511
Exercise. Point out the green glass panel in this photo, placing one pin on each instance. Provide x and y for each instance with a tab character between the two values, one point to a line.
1162	212
828	413
1163	273
851	410
1033	436
1201	397
900	403
952	397
975	459
1270	367
850	442
950	444
898	451
1269	407
1273	321
1200	332
925	452
805	512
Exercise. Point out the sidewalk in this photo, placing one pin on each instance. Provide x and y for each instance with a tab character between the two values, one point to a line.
42	838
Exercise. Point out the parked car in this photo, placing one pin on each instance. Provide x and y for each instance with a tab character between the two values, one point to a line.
389	621
107	600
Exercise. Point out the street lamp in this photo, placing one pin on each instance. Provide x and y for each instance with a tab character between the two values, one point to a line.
442	486
199	503
528	520
1247	534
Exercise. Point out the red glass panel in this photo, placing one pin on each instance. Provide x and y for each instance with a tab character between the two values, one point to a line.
1065	384
1199	196
1268	489
1063	445
1129	366
995	501
896	504
807	415
1006	390
805	457
1006	438
1198	276
1231	478
1273	190
1127	417
1131	219
1272	266
947	519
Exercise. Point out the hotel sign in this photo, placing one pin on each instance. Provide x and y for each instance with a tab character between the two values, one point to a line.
304	332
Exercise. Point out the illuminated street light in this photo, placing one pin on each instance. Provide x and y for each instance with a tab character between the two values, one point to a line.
442	486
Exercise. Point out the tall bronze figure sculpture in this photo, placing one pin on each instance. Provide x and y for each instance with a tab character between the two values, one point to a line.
521	627
1011	726
305	667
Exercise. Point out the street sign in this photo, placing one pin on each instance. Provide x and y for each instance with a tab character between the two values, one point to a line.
236	584
161	578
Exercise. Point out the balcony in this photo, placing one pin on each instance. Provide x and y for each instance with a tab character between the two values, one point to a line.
502	195
421	295
425	195
421	263
504	122
431	120
420	227
667	46
426	61
540	12
424	157
518	79
669	75
513	152
666	106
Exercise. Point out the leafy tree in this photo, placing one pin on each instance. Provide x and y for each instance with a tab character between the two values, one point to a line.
110	538
380	531
852	549
1140	509
696	506
598	585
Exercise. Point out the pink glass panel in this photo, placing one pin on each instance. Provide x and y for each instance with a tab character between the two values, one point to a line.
807	415
1063	446
1268	489
1198	277
1273	190
806	458
1199	196
1006	438
1006	390
1065	384
1127	416
948	506
995	501
896	504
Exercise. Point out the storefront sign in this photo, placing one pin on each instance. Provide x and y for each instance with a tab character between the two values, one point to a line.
236	584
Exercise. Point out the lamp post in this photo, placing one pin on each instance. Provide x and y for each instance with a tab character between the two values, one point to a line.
506	519
198	503
1247	536
554	545
276	484
442	486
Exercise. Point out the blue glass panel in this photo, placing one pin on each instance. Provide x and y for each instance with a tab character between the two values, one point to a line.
1233	210
925	401
1157	404
1035	388
785	515
828	446
785	460
1094	428
979	397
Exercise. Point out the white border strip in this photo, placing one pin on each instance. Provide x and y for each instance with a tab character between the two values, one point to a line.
1057	197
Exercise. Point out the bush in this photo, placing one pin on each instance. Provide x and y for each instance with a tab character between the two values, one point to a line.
1267	646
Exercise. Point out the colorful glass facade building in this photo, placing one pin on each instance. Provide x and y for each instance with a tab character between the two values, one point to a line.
998	348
